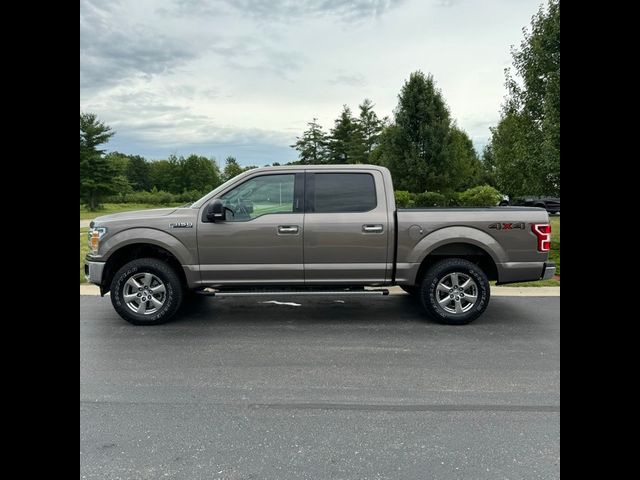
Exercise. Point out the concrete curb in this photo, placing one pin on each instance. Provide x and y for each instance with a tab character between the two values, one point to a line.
88	289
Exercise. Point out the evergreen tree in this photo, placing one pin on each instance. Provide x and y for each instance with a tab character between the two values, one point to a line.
312	146
341	141
416	147
96	173
370	127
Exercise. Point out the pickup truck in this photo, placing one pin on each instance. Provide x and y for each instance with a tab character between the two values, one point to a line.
314	230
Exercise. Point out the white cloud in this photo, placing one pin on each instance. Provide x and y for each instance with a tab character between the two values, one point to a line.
243	77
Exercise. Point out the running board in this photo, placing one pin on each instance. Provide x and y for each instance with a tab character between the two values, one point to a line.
251	293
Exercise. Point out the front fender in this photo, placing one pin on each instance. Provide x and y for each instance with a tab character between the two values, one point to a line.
151	236
457	234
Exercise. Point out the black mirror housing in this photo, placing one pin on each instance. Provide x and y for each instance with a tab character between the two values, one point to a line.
216	210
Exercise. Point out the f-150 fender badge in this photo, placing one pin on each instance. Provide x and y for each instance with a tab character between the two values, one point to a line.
181	225
507	226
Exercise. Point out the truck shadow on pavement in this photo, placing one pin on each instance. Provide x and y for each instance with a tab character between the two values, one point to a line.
327	310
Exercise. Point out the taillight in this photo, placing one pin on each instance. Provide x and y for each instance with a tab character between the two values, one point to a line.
543	233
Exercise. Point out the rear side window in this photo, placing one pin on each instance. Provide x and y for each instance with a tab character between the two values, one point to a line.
342	192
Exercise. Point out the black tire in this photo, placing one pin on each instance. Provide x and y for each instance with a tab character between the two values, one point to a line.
504	203
413	290
172	299
436	273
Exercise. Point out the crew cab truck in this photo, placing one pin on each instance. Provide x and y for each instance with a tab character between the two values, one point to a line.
309	230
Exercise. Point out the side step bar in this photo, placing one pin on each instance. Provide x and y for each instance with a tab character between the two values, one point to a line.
251	293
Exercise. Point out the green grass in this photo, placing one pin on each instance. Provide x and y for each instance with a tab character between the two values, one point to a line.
84	249
109	208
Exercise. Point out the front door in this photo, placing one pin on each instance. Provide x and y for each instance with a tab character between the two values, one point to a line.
260	241
346	227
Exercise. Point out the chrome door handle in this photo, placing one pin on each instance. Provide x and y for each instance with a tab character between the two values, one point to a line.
288	229
372	228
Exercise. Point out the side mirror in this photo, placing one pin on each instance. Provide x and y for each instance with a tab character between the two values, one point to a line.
215	210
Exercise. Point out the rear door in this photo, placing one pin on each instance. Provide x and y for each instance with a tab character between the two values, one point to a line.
346	230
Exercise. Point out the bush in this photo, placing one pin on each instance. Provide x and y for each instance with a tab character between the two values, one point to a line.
190	195
154	197
451	198
430	199
404	199
482	196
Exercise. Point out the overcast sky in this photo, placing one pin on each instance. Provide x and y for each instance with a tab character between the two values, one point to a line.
243	77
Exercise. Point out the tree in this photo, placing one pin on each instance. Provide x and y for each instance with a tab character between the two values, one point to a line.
119	161
312	146
231	169
342	145
199	173
96	173
370	127
467	170
526	142
165	174
139	173
416	147
488	176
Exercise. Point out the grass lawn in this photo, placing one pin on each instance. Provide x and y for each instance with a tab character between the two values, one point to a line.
109	208
84	249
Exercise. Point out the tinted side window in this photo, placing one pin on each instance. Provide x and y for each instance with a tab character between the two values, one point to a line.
344	192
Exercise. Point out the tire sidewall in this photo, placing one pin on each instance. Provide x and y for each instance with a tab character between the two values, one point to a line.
440	270
173	296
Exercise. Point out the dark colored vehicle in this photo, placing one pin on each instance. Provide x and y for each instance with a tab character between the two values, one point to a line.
550	204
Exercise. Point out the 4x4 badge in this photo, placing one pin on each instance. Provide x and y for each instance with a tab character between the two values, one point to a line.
181	225
507	226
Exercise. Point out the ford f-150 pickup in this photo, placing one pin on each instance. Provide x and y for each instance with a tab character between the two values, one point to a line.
309	230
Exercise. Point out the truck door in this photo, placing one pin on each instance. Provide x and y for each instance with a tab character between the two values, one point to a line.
346	227
260	241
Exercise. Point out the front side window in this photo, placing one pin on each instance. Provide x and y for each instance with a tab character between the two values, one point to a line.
344	192
260	196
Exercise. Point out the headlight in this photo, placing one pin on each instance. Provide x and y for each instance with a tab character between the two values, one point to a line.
94	236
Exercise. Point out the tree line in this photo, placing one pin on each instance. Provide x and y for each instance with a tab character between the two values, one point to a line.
427	152
119	177
432	160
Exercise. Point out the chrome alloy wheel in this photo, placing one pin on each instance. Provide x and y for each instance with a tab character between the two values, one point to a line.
456	293
144	293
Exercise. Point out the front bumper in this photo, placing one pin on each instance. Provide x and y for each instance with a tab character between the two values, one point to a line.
93	271
549	271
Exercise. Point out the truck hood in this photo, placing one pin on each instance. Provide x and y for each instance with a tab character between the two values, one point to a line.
134	215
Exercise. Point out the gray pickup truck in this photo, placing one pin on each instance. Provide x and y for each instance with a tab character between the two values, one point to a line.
314	230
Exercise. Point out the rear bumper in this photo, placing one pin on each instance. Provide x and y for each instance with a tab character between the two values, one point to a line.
516	272
93	271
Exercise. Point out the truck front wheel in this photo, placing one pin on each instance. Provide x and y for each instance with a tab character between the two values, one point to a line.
146	291
454	291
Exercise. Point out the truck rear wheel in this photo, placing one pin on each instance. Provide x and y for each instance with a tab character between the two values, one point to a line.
455	291
146	291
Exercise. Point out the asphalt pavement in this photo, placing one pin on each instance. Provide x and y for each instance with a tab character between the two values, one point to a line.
365	389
